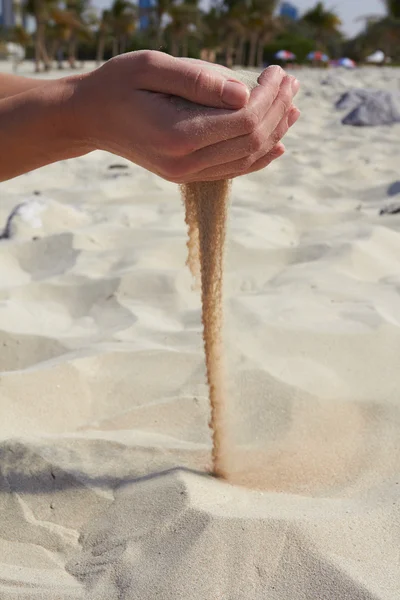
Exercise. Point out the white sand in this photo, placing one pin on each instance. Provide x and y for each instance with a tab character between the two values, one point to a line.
102	378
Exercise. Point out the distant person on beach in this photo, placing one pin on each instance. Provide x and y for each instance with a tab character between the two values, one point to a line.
125	107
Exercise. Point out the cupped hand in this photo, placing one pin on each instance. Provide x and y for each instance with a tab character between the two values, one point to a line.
144	106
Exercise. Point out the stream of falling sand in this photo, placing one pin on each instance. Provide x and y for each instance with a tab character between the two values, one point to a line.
206	205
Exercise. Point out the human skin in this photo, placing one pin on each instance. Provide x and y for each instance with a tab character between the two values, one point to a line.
127	107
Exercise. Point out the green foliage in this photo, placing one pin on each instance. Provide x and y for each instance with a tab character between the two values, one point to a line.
392	8
299	45
322	19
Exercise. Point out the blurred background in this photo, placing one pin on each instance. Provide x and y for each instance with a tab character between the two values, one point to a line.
251	33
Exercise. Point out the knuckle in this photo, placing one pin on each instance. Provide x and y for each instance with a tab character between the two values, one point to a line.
250	121
257	140
145	59
284	99
178	143
276	137
200	81
246	164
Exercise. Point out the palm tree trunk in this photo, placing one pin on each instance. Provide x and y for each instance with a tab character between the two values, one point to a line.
159	33
240	52
115	46
174	48
229	52
37	53
100	48
185	46
122	44
72	48
40	46
253	49
260	53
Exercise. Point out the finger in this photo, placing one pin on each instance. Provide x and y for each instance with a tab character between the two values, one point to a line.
210	126
280	106
238	167
263	80
265	94
159	72
278	151
258	143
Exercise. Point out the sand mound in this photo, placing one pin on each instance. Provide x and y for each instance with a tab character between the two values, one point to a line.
182	535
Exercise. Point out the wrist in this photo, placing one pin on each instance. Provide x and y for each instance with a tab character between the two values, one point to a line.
73	115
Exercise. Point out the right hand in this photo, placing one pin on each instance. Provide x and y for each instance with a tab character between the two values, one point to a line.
127	107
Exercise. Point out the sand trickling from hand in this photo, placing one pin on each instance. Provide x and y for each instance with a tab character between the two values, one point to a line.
206	206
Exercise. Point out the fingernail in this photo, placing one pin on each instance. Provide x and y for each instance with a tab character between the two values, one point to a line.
293	116
295	86
235	94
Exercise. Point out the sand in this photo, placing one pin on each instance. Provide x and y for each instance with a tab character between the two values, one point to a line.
104	434
206	216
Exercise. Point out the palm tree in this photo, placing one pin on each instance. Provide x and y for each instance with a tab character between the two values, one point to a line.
260	25
72	25
390	28
20	36
392	8
235	33
383	33
185	22
41	11
160	11
324	23
211	42
121	19
270	27
104	31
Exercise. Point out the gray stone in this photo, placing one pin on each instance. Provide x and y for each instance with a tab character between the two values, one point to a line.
370	108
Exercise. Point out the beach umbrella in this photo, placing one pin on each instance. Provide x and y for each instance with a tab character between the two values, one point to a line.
347	63
320	56
285	55
377	57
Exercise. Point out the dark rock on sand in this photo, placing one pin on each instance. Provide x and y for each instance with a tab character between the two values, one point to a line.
391	209
394	189
118	166
370	108
6	233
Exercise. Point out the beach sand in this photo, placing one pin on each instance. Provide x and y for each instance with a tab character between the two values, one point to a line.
104	437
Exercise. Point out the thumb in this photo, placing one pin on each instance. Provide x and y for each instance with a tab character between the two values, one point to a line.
196	81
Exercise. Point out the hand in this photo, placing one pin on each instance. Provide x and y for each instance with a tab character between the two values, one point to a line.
131	107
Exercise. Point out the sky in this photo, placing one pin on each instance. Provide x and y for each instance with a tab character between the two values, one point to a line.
348	10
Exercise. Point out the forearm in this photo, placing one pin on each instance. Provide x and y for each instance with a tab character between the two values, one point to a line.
39	127
10	85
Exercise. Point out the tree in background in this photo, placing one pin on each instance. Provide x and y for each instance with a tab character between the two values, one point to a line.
41	11
379	33
117	26
20	36
71	26
123	19
233	32
185	22
324	24
392	9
